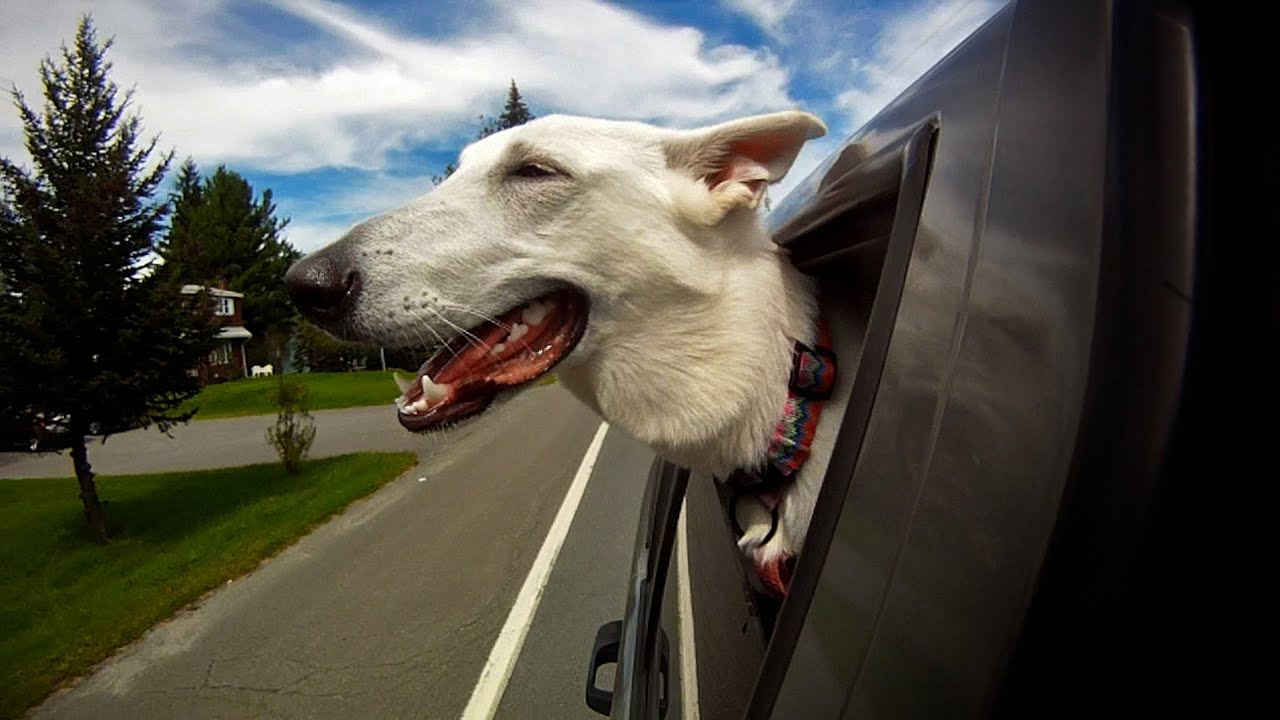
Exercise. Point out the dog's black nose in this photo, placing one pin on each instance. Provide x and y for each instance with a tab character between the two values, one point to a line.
322	286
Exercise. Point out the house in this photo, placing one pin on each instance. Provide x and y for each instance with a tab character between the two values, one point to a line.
227	361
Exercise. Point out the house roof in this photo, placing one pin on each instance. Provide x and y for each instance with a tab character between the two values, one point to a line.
234	333
216	292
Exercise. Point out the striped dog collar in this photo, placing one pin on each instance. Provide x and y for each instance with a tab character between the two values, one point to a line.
813	376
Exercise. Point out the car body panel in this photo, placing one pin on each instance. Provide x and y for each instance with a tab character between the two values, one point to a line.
1026	386
979	469
888	482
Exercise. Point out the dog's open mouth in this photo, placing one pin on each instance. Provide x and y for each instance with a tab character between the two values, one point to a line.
462	378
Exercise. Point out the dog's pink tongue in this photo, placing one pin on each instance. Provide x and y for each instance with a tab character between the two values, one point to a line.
463	378
475	357
521	345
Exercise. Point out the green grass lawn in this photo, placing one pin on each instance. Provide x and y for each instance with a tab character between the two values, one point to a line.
256	396
67	603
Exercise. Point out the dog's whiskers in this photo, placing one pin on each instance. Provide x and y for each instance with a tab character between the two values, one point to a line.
466	334
412	344
440	340
482	316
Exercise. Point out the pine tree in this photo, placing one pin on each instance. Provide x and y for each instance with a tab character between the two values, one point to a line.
514	113
186	197
221	232
89	339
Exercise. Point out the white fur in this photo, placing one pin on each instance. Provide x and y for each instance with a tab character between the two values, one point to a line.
261	371
694	311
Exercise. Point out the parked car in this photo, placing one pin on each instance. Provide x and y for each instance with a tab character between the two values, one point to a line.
45	435
1024	260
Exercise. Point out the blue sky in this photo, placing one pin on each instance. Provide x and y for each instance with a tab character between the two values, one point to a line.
346	109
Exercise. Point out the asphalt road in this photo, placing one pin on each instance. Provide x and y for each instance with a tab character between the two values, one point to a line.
392	609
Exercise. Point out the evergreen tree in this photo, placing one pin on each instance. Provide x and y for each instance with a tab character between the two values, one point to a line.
514	113
89	339
185	197
221	232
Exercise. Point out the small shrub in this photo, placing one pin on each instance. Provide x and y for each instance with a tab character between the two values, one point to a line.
294	430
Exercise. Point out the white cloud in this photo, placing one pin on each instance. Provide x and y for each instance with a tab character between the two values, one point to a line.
321	85
371	194
312	235
30	31
810	157
383	90
768	14
864	57
322	217
909	45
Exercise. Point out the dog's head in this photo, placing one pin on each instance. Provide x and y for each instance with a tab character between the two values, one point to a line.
550	242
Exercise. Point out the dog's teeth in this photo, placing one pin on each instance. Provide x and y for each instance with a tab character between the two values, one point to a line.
402	383
432	392
419	405
401	403
517	331
497	349
536	312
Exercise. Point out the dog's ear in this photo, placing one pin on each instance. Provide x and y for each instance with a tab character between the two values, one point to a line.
738	159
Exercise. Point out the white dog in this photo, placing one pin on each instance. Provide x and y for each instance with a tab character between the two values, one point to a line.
262	371
627	257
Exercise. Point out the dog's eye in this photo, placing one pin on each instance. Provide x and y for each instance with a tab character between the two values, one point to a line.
533	170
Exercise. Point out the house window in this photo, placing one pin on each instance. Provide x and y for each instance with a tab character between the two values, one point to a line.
221	355
224	306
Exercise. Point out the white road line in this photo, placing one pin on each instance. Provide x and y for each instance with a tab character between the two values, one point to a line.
502	658
688	651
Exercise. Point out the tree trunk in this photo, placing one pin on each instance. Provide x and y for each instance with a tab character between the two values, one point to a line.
88	490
